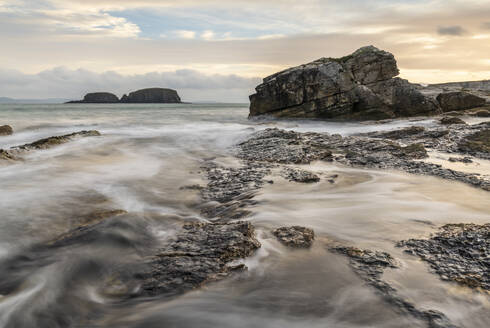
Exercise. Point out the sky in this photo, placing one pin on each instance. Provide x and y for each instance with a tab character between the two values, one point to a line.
213	50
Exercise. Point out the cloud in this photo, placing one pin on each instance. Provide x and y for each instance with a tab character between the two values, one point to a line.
61	82
208	35
451	30
184	34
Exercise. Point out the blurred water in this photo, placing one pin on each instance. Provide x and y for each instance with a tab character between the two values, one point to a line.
145	154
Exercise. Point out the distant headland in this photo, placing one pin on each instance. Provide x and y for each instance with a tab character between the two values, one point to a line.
143	96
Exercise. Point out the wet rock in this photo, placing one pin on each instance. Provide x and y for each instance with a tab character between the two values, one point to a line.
459	100
465	159
451	120
399	134
457	252
231	189
482	113
279	146
57	140
152	95
295	236
6	155
6	130
361	85
414	151
370	265
478	142
200	253
192	187
298	175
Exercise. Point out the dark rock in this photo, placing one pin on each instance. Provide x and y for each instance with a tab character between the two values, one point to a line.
57	140
289	147
192	187
459	100
298	175
462	159
451	120
6	130
200	253
478	142
458	252
295	236
482	113
152	95
230	190
370	265
98	98
400	133
361	86
6	155
414	151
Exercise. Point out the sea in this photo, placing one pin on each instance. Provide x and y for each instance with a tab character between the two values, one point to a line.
145	154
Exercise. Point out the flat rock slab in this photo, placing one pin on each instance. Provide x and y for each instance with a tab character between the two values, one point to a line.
458	252
56	140
200	253
290	147
295	236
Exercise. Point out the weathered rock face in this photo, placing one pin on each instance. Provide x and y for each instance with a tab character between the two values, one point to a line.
201	252
295	236
152	95
459	100
6	130
100	97
458	252
361	85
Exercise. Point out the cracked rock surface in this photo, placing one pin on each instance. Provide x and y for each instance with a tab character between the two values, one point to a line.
457	252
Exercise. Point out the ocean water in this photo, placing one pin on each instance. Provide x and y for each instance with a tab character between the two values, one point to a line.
138	164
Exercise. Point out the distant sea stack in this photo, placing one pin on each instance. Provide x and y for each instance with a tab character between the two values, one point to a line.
143	96
362	85
152	95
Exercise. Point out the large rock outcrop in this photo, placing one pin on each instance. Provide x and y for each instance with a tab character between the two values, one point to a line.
459	100
362	85
152	95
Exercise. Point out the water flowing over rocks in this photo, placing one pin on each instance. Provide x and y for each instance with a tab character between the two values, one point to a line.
295	236
459	100
56	140
201	252
458	252
6	130
370	265
289	147
231	189
45	143
362	85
